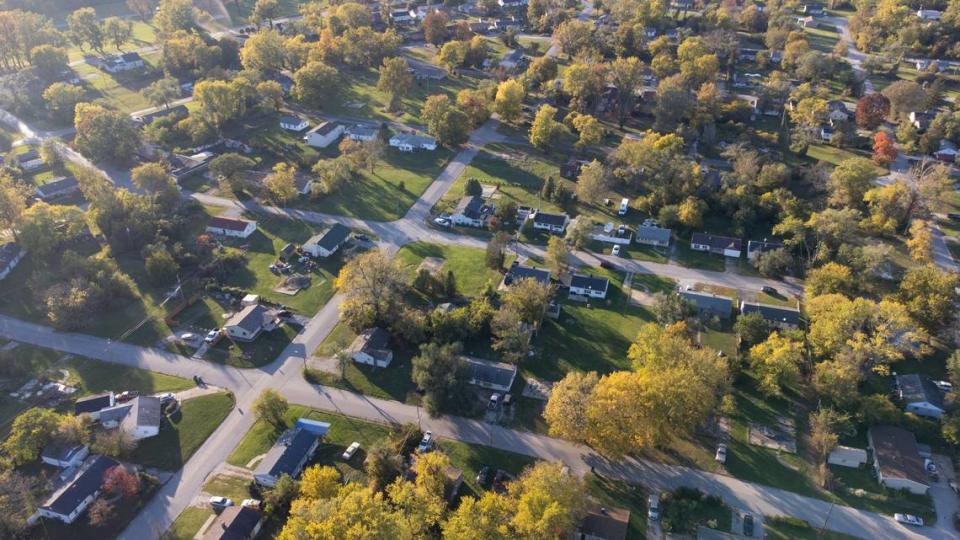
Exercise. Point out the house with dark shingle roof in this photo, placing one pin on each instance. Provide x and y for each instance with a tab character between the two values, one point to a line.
519	271
64	456
371	347
235	523
709	304
756	247
328	242
92	405
67	503
10	256
920	395
288	456
604	523
471	212
57	188
592	286
779	316
497	376
247	323
653	236
719	245
293	123
896	459
553	223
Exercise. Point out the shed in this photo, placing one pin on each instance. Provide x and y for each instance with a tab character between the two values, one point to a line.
846	456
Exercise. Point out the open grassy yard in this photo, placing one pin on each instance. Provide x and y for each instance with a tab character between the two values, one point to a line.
229	486
143	35
184	431
702	260
778	528
393	382
122	90
187	523
823	38
467	265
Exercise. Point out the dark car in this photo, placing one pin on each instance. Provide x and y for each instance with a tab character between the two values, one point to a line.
955	217
483	476
127	396
747	525
768	289
606	264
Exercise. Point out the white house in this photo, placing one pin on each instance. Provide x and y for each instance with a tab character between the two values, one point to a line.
371	347
293	123
408	142
845	456
64	456
143	419
471	212
10	256
553	223
237	228
947	151
511	3
68	503
120	63
920	395
290	453
362	133
719	245
247	323
929	14
498	376
324	134
328	242
592	286
896	459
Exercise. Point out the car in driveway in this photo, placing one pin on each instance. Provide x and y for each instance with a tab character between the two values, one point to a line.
219	503
166	397
442	221
721	455
908	519
747	525
211	336
653	507
350	451
124	397
483	476
426	443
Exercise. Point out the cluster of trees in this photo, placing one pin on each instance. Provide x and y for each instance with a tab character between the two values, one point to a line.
892	26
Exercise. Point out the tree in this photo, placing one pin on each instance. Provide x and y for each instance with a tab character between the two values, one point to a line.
690	212
449	125
101	513
565	412
105	135
558	254
228	169
670	308
219	101
529	298
485	519
626	74
884	151
271	95
929	295
83	27
118	31
574	36
265	10
549	502
271	407
48	61
315	83
591	131
773	263
905	97
264	51
372	285
435	27
828	279
62	99
511	335
161	93
540	71
395	81
186	54
776	362
751	328
153	179
281	183
475	104
453	54
160	266
382	465
825	426
871	110
472	188
173	15
509	100
920	243
417	508
495	247
143	8
120	481
674	103
850	180
29	433
439	373
320	482
545	130
281	494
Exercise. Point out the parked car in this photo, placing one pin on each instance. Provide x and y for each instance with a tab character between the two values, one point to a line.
166	398
653	507
220	503
929	465
211	336
483	475
768	289
908	519
123	397
494	401
747	525
442	221
945	386
615	251
426	443
187	336
350	451
955	217
721	456
251	503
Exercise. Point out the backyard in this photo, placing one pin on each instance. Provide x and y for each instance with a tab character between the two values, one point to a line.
184	431
467	264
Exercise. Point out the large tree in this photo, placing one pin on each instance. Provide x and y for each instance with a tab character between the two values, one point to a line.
105	135
871	110
281	183
395	81
372	285
850	180
272	408
777	363
440	373
316	84
509	100
444	121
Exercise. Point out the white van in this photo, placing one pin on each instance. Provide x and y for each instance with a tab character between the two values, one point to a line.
653	507
624	206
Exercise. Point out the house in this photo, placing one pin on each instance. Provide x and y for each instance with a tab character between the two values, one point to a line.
826	132
237	228
183	167
812	9
452	481
179	111
553	223
92	405
653	236
471	212
292	451
10	256
719	245
64	456
246	324
68	502
111	417
518	271
947	151
807	22
756	247
328	242
779	316
929	14
920	395
845	456
362	133
30	160
571	169
235	523
602	523
592	286
709	304
512	60
498	376
303	184
408	142
837	111
747	55
610	234
371	347
58	188
293	123
896	459
120	63
511	3
401	16
921	119
143	419
324	134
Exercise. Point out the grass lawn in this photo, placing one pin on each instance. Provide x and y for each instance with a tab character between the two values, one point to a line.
685	509
534	47
239	10
143	36
187	523
122	90
392	382
834	156
702	260
587	337
389	191
822	39
467	264
875	497
339	338
229	486
259	352
183	432
780	528
615	493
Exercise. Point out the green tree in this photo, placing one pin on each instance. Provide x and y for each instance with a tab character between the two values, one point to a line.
153	179
930	295
29	433
545	130
62	99
776	361
271	407
592	183
264	51
83	27
440	373
281	183
435	27
118	31
850	180
48	61
509	100
103	134
161	93
395	81
315	83
751	328
265	10
449	125
557	254
475	104
228	169
173	15
591	131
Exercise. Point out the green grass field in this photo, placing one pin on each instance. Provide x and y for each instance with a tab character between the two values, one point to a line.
143	35
393	382
702	260
183	432
122	90
187	523
467	264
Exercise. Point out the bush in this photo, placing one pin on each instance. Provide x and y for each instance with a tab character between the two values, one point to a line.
405	438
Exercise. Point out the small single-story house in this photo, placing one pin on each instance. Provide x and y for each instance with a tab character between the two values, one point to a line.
92	405
58	188
303	183
920	395
921	119
845	456
247	323
929	14
604	523
837	111
292	451
571	169
123	62
812	9
328	242
592	286
30	160
67	503
709	303
402	16
756	247
610	234
10	256
179	111
183	167
720	245
293	123
362	133
497	376
471	212
897	460
143	419
238	228
64	456
371	347
324	134
235	523
519	271
408	142
553	223
779	316
111	417
512	59
947	151
826	132
653	236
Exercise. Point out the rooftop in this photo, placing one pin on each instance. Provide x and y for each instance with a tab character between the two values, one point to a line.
330	238
487	372
86	482
234	523
916	388
229	224
590	283
250	318
287	453
897	455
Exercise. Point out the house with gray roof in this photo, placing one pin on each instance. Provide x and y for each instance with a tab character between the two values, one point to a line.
10	256
371	347
756	247
64	456
68	503
553	223
143	419
720	245
653	236
497	376
920	395
520	271
708	303
247	323
92	405
292	451
235	523
780	316
592	286
328	242
471	211
896	459
58	188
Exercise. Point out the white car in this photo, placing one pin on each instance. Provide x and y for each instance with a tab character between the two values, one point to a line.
350	451
653	507
166	397
721	456
251	503
220	502
442	221
615	251
188	336
211	336
908	519
426	444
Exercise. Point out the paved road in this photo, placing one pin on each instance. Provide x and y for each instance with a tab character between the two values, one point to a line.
854	56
